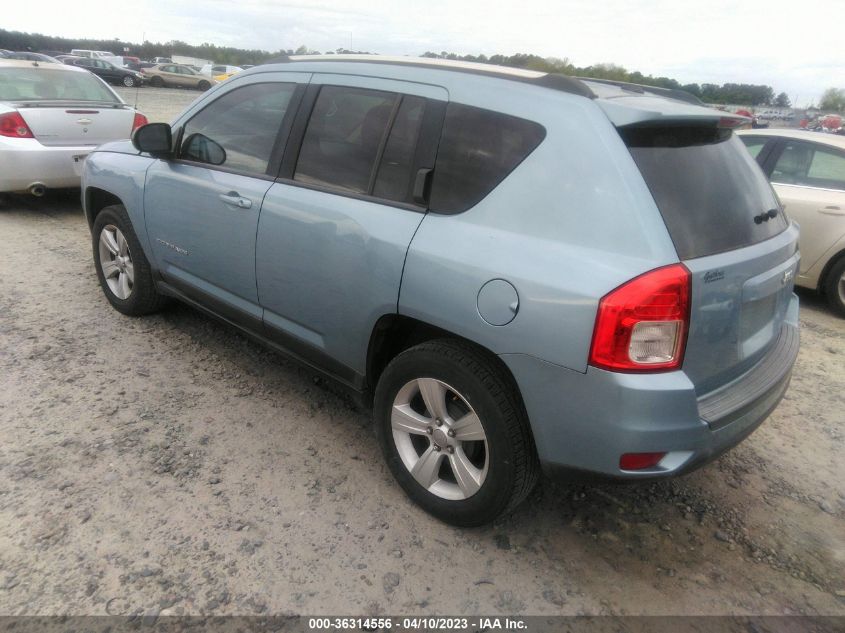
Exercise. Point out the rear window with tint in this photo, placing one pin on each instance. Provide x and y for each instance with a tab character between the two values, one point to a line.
478	149
43	84
707	186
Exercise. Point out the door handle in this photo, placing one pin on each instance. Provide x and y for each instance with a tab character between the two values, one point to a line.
832	209
233	198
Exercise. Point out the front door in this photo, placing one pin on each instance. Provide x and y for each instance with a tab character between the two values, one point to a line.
202	207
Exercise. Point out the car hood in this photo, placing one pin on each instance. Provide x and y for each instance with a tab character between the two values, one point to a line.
119	147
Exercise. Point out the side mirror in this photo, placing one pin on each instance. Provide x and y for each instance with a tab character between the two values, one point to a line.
202	149
154	138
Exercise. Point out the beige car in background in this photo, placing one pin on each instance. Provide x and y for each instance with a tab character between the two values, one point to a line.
177	75
807	170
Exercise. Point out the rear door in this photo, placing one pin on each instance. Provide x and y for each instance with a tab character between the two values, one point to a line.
731	233
336	226
202	207
810	181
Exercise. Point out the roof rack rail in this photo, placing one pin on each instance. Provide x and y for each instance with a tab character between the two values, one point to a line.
669	93
553	81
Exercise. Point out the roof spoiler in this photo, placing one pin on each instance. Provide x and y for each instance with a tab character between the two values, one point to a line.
668	93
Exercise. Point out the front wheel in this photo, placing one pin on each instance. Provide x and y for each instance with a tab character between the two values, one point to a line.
122	268
454	432
156	82
203	85
128	81
835	287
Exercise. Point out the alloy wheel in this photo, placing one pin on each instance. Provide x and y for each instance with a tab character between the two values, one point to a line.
116	262
440	439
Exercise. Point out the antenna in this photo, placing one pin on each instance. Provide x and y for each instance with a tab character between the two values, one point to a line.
138	84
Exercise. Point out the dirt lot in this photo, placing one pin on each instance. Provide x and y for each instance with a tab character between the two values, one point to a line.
168	465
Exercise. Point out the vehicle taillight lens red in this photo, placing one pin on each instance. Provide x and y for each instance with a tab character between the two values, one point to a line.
639	461
140	120
13	125
642	325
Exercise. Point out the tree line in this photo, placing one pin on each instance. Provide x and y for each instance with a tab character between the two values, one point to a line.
728	93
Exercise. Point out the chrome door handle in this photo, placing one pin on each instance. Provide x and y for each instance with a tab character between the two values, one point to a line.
832	209
234	199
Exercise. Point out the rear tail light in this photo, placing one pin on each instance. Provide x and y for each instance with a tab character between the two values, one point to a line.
642	325
13	125
140	120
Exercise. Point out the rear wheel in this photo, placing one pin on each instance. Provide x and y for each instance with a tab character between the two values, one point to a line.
203	85
453	430
122	268
157	82
128	81
834	286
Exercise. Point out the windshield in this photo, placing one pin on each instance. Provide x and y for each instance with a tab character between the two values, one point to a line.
43	84
711	194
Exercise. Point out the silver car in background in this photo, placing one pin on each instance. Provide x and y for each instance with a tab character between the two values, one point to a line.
51	117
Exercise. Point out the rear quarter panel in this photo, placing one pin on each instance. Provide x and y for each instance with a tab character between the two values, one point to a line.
569	224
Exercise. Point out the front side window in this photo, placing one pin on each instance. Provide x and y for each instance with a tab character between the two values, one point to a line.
810	165
343	138
243	123
478	149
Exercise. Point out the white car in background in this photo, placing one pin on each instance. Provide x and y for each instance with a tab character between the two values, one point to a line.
807	170
51	117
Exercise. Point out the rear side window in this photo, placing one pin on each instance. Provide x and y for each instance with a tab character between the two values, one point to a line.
244	122
707	186
811	166
344	135
478	149
754	144
393	180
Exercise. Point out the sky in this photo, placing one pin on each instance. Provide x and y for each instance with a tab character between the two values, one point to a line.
793	47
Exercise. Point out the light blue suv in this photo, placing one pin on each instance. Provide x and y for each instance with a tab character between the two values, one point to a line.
519	271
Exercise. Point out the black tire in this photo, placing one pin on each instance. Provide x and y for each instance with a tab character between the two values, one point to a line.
156	82
203	85
143	298
512	469
128	81
833	286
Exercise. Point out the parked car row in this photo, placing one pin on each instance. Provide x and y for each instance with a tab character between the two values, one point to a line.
51	117
130	71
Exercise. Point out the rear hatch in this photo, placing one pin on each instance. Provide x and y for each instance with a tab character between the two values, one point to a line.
728	228
65	106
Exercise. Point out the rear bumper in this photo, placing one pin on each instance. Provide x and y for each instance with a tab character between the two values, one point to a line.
585	422
25	161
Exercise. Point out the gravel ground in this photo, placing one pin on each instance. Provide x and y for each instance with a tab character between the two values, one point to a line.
158	104
169	465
